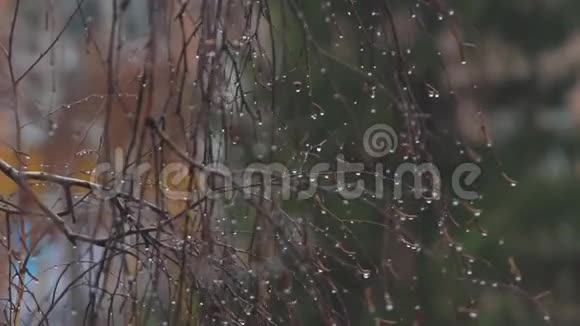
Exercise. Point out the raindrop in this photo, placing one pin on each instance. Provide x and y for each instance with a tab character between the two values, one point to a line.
297	86
547	318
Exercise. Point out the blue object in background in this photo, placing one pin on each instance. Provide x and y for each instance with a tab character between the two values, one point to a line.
32	263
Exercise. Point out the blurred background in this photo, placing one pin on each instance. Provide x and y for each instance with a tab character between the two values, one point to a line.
496	80
527	71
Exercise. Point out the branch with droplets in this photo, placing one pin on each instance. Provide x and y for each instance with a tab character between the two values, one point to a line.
21	178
